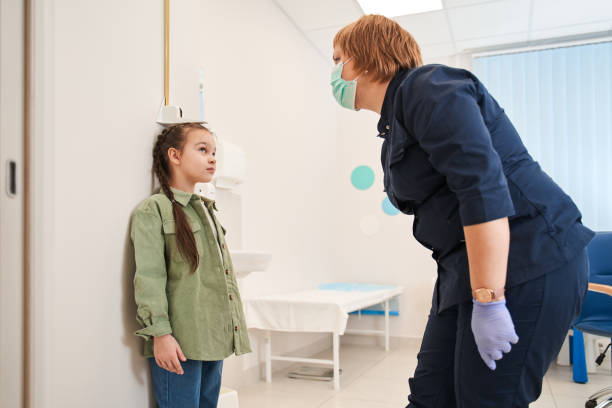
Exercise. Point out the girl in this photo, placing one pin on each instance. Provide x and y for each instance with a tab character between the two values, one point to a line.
185	287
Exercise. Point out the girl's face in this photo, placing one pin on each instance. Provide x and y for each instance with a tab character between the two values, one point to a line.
196	162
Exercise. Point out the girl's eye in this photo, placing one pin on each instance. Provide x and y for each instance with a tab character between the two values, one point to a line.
202	149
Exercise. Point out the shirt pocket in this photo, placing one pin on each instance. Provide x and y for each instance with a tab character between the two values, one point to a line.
399	142
172	251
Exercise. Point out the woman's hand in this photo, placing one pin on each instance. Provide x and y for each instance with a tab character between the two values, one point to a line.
493	330
167	353
487	247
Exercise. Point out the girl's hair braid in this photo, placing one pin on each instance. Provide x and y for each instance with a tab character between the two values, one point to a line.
174	137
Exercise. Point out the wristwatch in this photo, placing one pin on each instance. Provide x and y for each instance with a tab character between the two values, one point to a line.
486	295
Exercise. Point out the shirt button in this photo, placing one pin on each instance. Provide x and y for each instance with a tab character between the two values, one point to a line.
223	246
231	297
387	127
227	272
235	328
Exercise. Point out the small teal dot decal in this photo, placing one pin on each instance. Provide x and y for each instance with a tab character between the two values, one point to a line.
389	208
362	177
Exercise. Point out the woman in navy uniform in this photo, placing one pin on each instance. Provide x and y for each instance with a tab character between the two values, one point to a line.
508	242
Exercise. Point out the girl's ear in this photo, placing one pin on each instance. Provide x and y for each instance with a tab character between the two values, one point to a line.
174	155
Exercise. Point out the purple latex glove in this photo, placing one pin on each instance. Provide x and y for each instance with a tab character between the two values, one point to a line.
493	330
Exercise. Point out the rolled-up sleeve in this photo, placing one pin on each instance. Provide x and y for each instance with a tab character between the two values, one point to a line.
150	277
449	127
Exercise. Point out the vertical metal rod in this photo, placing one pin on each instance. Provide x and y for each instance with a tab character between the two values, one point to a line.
166	52
387	325
27	267
268	356
336	352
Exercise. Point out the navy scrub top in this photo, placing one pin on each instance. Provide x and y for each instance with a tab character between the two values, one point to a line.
452	158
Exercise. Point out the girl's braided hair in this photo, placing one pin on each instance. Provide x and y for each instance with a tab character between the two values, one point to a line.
174	137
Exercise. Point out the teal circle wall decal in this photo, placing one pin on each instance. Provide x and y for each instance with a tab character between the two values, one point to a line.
389	208
362	177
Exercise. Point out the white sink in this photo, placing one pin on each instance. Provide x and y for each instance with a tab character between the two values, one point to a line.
246	262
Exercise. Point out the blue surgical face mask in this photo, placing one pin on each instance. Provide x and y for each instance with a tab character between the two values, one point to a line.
344	91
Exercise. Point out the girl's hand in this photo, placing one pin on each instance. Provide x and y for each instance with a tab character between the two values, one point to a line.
167	353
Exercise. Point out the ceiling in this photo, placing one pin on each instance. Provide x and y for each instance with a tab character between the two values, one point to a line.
462	24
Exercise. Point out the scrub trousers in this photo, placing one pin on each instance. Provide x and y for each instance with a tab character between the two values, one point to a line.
450	372
198	387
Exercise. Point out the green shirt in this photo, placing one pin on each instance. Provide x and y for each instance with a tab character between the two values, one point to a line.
203	309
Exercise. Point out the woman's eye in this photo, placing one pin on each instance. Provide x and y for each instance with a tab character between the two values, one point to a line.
202	149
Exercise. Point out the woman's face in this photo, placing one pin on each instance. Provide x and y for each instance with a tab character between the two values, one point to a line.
197	161
348	70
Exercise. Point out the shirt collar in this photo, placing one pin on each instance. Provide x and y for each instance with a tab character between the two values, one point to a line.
210	204
184	198
386	113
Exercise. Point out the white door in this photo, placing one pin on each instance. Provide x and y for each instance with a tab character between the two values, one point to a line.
11	201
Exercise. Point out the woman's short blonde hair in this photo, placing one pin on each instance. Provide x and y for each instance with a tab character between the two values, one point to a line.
379	45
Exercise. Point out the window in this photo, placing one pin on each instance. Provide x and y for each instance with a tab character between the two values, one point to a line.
560	101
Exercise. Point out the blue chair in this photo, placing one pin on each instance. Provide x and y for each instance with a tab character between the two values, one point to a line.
596	315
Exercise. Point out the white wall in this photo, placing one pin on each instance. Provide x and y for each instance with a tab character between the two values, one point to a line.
391	255
101	70
266	89
100	77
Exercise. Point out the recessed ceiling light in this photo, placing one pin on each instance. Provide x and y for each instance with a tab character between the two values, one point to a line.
396	8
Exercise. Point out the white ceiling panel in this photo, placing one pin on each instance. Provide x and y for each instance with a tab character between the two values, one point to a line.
395	8
570	30
491	41
473	23
316	14
490	19
430	51
556	13
427	28
461	3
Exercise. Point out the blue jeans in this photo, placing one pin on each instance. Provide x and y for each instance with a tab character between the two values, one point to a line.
198	387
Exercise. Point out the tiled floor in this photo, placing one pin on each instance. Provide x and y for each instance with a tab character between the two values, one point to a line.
374	379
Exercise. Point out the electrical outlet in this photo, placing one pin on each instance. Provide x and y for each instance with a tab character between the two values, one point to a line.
602	343
601	346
